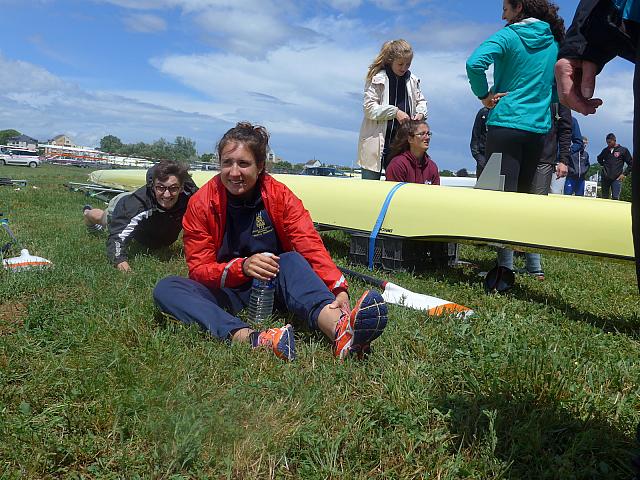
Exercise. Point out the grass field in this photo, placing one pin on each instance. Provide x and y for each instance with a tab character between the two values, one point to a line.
542	383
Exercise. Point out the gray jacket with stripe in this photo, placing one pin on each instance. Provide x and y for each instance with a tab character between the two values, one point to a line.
139	217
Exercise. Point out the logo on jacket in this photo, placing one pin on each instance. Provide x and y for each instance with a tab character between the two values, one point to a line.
260	226
616	154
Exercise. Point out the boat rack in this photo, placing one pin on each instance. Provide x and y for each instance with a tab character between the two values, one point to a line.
94	190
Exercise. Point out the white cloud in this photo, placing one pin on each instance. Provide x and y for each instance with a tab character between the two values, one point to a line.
145	23
615	86
250	33
301	76
41	105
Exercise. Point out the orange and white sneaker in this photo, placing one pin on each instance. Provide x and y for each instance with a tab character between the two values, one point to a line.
365	323
280	340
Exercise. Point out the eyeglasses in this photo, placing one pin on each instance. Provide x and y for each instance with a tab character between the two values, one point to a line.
423	134
173	189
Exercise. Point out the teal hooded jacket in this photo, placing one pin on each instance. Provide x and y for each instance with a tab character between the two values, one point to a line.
524	55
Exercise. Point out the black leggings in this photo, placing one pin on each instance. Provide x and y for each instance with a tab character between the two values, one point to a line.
521	151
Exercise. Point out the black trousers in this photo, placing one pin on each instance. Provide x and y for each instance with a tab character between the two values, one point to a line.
521	151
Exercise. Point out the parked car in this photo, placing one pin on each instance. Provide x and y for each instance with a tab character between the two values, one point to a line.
323	172
19	156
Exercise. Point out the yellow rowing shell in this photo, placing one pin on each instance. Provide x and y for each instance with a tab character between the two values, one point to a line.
429	212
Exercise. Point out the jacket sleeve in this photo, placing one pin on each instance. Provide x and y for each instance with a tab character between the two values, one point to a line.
305	240
600	157
628	159
394	171
597	34
564	127
477	133
577	144
420	101
373	108
201	250
480	60
126	217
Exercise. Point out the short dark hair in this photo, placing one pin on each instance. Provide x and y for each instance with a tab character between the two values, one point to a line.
611	136
164	169
254	137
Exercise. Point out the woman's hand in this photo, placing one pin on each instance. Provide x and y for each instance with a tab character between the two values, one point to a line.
124	267
492	99
402	116
341	302
261	266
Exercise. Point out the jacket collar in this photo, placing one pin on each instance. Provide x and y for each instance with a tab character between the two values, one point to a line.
414	160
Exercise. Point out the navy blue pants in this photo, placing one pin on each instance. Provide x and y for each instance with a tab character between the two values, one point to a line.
298	290
613	186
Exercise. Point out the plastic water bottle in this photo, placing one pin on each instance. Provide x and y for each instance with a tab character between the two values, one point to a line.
261	300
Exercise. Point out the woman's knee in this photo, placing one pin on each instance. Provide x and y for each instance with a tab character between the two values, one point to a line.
289	259
166	288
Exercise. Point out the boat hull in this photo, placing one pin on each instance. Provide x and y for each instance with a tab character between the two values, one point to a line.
428	212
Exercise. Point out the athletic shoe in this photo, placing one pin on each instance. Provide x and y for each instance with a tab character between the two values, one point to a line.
281	340
357	330
86	207
539	275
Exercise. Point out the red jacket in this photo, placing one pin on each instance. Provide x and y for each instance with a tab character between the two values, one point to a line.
405	168
204	224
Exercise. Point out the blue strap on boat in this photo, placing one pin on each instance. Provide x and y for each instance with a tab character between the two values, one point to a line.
378	225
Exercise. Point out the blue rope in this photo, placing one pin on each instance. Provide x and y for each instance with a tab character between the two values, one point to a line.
378	225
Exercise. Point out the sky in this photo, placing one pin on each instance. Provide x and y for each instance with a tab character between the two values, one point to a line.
146	69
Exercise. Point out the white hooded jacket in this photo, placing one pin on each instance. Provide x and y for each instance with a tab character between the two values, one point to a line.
377	112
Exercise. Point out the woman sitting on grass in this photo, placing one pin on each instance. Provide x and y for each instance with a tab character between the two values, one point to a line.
233	218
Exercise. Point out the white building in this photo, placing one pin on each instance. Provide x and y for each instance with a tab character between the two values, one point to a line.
23	141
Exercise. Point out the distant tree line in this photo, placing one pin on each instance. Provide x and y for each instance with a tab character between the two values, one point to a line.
181	150
5	135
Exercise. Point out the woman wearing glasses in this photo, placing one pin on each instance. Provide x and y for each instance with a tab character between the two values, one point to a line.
151	215
410	160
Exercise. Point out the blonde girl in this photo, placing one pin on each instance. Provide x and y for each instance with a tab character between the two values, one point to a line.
392	96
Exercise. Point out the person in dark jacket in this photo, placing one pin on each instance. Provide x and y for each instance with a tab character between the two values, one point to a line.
602	30
479	140
612	158
151	215
578	168
410	161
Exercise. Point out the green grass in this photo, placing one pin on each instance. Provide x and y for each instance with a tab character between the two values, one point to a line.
542	383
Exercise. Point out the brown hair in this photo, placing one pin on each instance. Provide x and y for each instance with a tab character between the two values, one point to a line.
401	141
390	51
254	137
165	168
542	10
